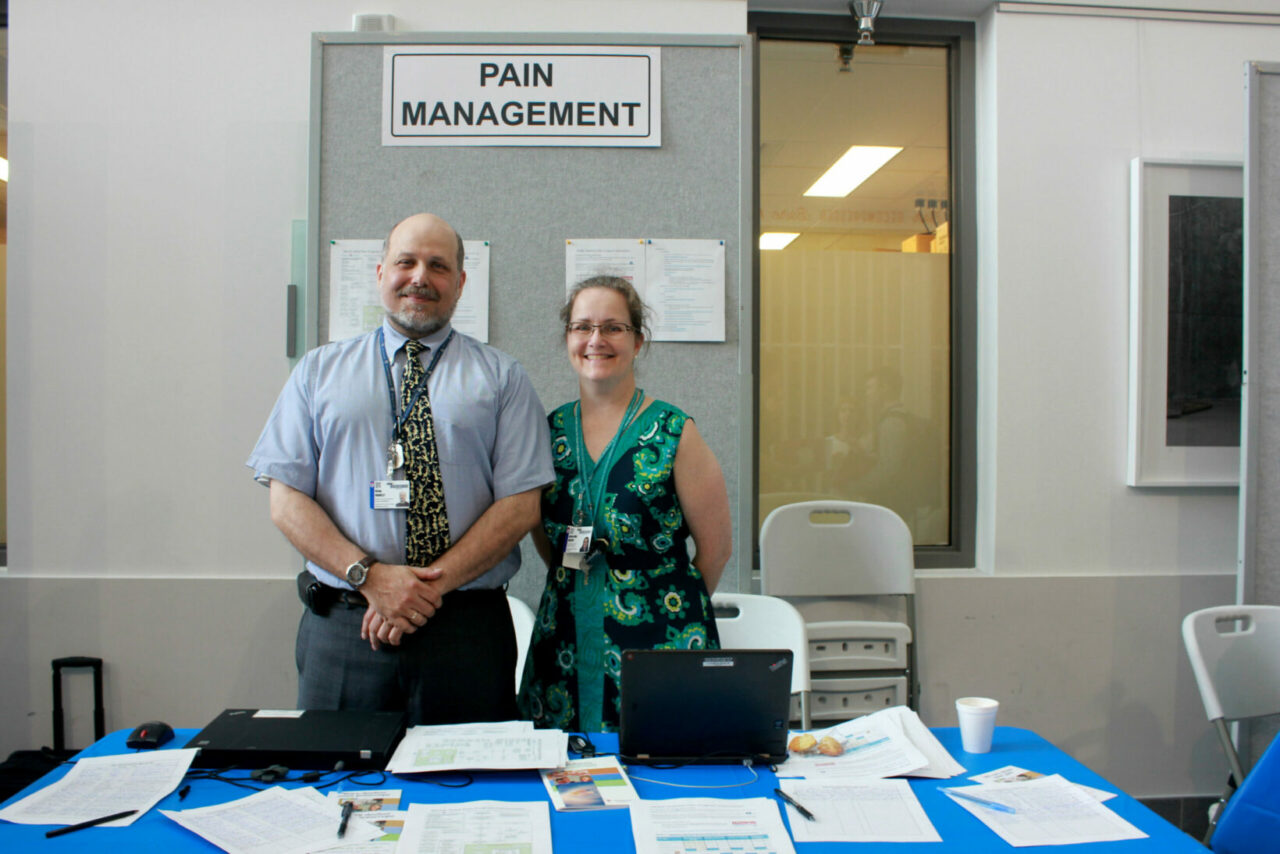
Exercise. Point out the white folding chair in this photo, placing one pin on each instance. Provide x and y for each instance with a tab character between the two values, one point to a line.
1235	656
829	552
522	619
748	621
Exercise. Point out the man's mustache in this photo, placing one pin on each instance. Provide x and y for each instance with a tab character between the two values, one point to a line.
428	292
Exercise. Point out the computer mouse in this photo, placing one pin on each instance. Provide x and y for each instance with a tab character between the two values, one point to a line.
149	736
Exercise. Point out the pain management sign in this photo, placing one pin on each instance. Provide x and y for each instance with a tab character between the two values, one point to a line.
522	95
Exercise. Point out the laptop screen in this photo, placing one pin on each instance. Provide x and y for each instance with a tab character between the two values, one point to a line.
705	706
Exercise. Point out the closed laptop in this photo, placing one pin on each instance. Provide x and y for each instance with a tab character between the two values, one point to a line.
705	706
312	739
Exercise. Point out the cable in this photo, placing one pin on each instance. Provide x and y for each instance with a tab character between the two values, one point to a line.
747	762
264	778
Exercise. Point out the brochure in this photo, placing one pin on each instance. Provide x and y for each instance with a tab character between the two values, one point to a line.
599	783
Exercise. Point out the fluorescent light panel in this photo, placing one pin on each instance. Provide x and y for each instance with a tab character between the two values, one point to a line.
4	170
777	239
856	165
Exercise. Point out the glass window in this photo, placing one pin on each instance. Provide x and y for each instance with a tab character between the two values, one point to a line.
858	309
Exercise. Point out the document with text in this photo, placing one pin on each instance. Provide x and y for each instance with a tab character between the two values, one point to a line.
477	826
274	821
866	811
868	747
467	748
1014	774
697	825
104	785
1047	811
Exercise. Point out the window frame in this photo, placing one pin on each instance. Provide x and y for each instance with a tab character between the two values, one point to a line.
959	38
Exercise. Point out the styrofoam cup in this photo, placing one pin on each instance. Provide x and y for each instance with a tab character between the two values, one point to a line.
977	722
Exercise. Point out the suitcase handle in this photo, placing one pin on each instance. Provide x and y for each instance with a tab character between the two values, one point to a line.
99	717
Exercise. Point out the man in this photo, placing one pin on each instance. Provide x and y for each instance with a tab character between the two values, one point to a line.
462	430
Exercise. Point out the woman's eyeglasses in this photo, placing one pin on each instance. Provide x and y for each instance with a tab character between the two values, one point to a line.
611	329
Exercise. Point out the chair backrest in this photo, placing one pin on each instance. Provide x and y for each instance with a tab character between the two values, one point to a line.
1235	655
836	548
522	619
764	622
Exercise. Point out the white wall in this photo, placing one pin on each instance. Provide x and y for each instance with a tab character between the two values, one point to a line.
159	155
1075	98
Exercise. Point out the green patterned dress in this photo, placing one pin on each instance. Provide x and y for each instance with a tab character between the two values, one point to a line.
649	597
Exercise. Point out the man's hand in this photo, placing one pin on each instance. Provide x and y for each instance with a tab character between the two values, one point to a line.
401	600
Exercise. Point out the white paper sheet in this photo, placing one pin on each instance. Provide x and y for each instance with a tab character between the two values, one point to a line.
459	749
471	316
104	785
622	257
867	811
1049	811
389	822
940	763
355	306
684	285
698	825
1014	774
274	821
873	747
490	826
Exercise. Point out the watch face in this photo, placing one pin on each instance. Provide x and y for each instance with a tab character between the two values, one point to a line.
355	574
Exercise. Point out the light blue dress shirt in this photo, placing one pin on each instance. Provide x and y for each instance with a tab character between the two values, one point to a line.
327	437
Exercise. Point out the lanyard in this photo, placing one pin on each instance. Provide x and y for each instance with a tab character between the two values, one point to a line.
391	386
585	477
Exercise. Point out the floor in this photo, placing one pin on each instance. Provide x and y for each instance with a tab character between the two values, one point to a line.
1189	814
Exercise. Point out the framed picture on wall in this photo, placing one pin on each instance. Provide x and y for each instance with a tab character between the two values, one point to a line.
1186	311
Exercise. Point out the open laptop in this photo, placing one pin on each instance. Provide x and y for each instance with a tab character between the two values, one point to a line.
705	706
311	740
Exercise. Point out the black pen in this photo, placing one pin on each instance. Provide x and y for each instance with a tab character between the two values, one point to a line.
346	817
184	791
799	808
93	822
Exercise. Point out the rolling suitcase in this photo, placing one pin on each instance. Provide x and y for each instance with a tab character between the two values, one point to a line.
24	767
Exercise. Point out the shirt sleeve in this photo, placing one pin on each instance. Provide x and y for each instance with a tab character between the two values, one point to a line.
522	452
286	450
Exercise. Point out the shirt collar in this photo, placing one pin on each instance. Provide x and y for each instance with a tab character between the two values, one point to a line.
392	340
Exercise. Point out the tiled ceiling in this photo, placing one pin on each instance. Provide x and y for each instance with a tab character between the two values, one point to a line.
811	111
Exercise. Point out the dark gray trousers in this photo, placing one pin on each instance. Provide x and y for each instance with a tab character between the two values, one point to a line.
459	667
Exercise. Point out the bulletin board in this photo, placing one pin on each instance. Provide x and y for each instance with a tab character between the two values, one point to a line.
527	201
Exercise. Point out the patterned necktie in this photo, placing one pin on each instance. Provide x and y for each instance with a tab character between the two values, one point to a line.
427	523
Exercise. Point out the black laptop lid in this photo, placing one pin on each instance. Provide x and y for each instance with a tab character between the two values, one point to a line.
313	739
705	706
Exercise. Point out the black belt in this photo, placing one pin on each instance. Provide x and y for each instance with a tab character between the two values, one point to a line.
320	598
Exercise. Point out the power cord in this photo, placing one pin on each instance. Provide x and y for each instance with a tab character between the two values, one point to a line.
747	763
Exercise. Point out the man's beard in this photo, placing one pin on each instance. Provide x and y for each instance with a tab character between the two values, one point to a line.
423	322
417	324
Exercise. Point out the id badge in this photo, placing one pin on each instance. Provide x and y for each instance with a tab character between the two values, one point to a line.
389	494
576	545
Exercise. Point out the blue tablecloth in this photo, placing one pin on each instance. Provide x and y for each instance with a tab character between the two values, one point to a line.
610	830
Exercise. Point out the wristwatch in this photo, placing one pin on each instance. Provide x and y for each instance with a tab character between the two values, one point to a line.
359	571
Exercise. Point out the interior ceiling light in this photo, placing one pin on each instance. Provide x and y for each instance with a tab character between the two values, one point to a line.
777	239
856	165
865	11
4	170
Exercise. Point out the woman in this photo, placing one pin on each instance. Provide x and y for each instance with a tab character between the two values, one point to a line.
634	480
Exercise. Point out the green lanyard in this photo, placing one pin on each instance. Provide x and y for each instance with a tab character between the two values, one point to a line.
585	476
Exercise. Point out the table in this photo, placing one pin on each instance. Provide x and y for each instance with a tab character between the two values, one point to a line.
586	832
